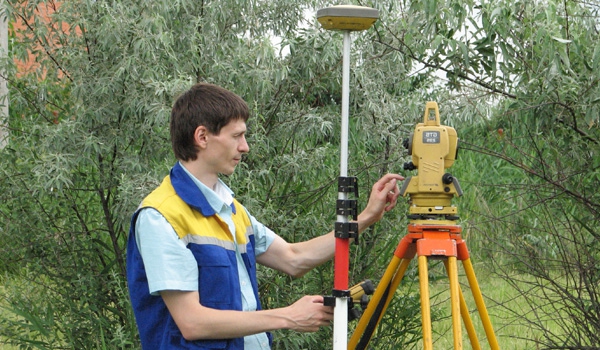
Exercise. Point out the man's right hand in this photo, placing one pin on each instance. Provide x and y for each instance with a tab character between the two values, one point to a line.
309	314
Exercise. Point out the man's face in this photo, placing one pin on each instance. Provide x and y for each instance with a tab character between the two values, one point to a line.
224	151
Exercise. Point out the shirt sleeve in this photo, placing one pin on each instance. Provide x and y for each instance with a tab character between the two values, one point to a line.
169	264
263	236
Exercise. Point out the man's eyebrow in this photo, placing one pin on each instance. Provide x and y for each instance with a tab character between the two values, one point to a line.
240	132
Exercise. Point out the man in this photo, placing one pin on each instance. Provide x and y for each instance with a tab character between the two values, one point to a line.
193	248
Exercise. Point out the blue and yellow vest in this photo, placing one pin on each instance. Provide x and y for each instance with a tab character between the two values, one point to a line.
180	201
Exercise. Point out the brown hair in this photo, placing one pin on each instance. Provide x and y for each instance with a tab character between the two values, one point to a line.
203	104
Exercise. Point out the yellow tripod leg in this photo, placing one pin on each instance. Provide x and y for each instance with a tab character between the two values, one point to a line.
396	282
464	311
384	287
485	317
377	295
454	300
425	305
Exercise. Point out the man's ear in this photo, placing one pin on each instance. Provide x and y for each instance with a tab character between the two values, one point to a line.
200	136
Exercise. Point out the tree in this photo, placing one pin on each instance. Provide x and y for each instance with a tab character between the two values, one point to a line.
530	70
89	138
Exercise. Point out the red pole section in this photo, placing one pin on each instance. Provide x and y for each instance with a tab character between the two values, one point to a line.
341	263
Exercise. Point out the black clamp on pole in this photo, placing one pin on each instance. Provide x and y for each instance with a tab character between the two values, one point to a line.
348	184
347	207
329	300
346	230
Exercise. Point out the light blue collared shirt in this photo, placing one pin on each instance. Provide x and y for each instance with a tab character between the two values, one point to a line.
171	266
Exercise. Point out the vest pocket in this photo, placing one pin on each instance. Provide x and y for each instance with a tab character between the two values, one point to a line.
176	341
215	278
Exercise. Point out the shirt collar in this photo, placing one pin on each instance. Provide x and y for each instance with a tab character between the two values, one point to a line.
195	193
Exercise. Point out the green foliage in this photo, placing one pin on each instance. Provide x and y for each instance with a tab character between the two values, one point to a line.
528	165
89	139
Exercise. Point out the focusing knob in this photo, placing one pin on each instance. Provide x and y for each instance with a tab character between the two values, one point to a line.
447	178
407	143
409	166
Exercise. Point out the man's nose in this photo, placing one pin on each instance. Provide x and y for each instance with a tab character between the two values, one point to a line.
243	146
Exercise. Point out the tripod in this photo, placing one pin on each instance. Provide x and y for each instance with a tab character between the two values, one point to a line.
425	240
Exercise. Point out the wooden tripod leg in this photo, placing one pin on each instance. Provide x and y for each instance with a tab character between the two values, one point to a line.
466	317
464	311
396	281
381	289
485	318
454	300
384	292
377	305
425	304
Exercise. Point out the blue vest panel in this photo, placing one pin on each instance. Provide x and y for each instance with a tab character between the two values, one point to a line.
180	201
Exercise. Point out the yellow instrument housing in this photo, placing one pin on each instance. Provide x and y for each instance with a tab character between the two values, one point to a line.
433	148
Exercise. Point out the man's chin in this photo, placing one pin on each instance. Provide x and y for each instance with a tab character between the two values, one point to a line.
228	172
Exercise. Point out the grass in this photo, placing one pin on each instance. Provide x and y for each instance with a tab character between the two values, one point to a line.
499	298
498	295
3	316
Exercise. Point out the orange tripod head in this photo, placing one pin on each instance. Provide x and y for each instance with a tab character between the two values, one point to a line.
433	148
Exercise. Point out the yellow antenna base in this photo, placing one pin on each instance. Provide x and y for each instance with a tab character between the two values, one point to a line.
347	17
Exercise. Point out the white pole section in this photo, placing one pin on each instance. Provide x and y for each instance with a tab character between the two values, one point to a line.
345	103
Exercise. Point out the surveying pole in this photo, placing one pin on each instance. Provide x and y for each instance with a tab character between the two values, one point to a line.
346	18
